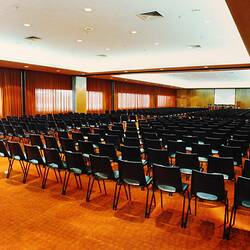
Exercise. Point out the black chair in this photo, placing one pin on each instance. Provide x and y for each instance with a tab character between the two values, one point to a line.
167	137
53	161
187	162
16	154
19	132
85	131
132	141
62	134
174	146
168	179
202	150
150	143
131	134
86	148
189	140
221	165
36	141
241	199
51	142
33	157
131	173
209	187
9	131
235	152
75	165
214	142
4	153
239	143
114	139
157	156
76	136
130	153
108	149
68	144
95	139
101	169
246	169
152	136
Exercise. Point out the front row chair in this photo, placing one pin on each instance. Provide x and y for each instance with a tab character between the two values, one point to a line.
132	174
241	199
168	179
209	187
101	170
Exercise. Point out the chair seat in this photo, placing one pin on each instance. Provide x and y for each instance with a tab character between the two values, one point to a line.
245	204
225	176
167	188
188	148
142	150
105	177
86	155
144	162
131	182
202	159
206	196
172	155
75	170
186	171
214	151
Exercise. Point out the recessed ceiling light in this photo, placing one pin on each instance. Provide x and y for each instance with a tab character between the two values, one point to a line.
194	46
58	70
156	43
125	71
88	9
26	66
133	32
205	67
88	28
161	69
107	49
79	40
27	25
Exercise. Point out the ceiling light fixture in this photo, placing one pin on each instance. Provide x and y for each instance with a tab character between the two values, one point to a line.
27	25
133	32
79	40
88	29
58	70
107	49
88	9
157	43
26	66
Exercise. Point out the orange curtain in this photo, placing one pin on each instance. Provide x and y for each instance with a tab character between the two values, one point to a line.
153	91
42	80
11	92
104	86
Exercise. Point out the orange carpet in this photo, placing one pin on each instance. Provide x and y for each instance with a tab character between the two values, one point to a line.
32	218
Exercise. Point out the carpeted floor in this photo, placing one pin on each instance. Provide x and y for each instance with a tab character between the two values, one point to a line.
32	218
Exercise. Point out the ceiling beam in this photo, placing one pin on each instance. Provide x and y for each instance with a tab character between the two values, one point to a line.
240	10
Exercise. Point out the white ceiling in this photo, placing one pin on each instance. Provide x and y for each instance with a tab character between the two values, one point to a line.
204	79
207	23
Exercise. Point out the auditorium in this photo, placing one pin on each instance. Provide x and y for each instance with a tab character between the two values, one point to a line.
125	124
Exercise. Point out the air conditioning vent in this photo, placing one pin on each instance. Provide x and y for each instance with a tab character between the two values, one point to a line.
150	15
194	46
33	38
102	55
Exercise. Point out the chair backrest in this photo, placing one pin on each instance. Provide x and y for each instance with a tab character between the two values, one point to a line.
189	140
101	165
223	165
242	190
131	141
3	150
203	150
107	149
68	144
33	154
166	175
174	146
51	142
95	138
131	153
150	143
185	160
86	147
230	151
36	140
114	139
131	172
208	183
52	156
214	142
131	134
75	160
246	169
16	150
158	156
76	136
62	134
146	135
85	131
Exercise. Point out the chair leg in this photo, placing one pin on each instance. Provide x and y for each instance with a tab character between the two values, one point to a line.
195	208
117	197
76	181
104	186
45	177
80	181
9	168
225	220
151	201
231	223
25	176
161	199
114	199
99	186
87	194
146	208
183	224
129	192
66	182
91	188
56	175
126	191
60	177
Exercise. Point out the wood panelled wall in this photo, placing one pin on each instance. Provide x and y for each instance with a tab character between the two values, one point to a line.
202	98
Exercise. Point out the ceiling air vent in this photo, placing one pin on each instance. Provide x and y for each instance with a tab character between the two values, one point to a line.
150	15
102	55
33	38
194	46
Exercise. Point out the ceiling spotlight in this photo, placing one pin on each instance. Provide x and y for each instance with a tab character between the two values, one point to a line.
58	70
107	49
161	69
88	10
88	29
205	67
26	66
156	43
79	40
133	32
27	25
